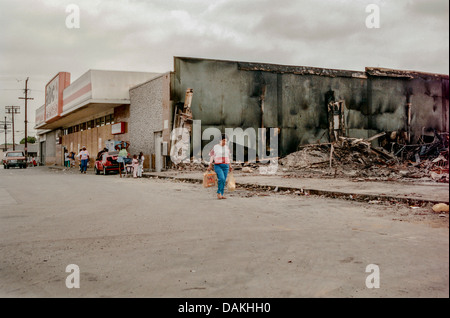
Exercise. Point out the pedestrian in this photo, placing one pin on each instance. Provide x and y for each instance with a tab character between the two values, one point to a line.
220	157
84	157
101	152
79	163
122	159
66	159
135	165
141	159
72	158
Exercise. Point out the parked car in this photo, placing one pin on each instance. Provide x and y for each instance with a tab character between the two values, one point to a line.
14	158
107	162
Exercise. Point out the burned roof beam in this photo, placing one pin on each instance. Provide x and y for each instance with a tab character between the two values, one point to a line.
298	70
386	72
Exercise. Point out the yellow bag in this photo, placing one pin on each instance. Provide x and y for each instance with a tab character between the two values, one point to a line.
231	182
209	179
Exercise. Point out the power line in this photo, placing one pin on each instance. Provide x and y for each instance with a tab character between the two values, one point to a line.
13	110
5	130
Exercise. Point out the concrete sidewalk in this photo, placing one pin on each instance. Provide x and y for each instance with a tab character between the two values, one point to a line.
405	192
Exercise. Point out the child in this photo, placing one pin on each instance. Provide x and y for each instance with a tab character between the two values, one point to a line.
141	164
135	164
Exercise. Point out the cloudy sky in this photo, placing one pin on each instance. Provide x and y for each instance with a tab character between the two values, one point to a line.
144	35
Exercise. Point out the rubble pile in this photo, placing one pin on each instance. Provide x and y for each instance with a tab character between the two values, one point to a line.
358	158
190	166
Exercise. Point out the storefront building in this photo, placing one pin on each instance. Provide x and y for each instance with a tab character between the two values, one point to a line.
92	111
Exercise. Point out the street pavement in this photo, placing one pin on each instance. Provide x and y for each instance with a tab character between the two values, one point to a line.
172	238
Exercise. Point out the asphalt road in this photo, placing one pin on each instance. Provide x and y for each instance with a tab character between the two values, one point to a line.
160	238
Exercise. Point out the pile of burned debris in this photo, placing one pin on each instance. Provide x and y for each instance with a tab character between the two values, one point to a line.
189	166
358	158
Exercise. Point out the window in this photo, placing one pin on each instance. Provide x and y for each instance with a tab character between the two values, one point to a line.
14	154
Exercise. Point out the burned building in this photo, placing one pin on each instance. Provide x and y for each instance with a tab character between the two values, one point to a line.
311	105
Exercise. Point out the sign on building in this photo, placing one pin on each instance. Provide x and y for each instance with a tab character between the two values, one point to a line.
54	96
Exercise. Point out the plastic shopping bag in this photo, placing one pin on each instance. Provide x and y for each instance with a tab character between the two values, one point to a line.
209	179
231	182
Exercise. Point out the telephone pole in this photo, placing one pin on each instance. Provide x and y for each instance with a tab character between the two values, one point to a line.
26	121
5	128
13	110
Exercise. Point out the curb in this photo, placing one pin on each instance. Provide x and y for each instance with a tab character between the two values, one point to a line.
329	194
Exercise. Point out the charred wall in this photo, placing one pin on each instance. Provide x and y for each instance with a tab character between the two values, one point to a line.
427	96
231	94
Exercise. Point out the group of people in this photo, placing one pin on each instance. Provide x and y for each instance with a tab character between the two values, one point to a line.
136	163
219	158
69	159
123	158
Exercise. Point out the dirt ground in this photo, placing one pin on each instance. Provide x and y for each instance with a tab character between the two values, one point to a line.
160	238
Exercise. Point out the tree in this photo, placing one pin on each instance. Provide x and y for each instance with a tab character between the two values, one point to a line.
30	140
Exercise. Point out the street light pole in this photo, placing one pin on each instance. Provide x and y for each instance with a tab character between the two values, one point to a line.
6	128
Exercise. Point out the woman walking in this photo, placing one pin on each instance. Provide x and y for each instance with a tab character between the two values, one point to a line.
220	156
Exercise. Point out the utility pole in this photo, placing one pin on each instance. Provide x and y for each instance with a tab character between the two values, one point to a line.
26	121
13	110
5	128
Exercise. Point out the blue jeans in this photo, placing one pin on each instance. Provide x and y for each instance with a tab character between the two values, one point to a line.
222	172
84	165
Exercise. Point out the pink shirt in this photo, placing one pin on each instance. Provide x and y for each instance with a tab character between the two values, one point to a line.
84	154
220	154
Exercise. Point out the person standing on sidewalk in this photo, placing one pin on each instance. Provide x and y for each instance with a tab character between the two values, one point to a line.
220	156
122	159
135	165
66	159
141	164
84	157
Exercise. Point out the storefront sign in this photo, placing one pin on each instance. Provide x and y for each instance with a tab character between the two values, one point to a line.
54	96
51	98
118	128
40	115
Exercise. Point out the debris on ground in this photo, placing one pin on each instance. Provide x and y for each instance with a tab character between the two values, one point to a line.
440	208
357	158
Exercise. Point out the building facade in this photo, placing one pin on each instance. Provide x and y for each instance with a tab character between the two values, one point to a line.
93	111
303	104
